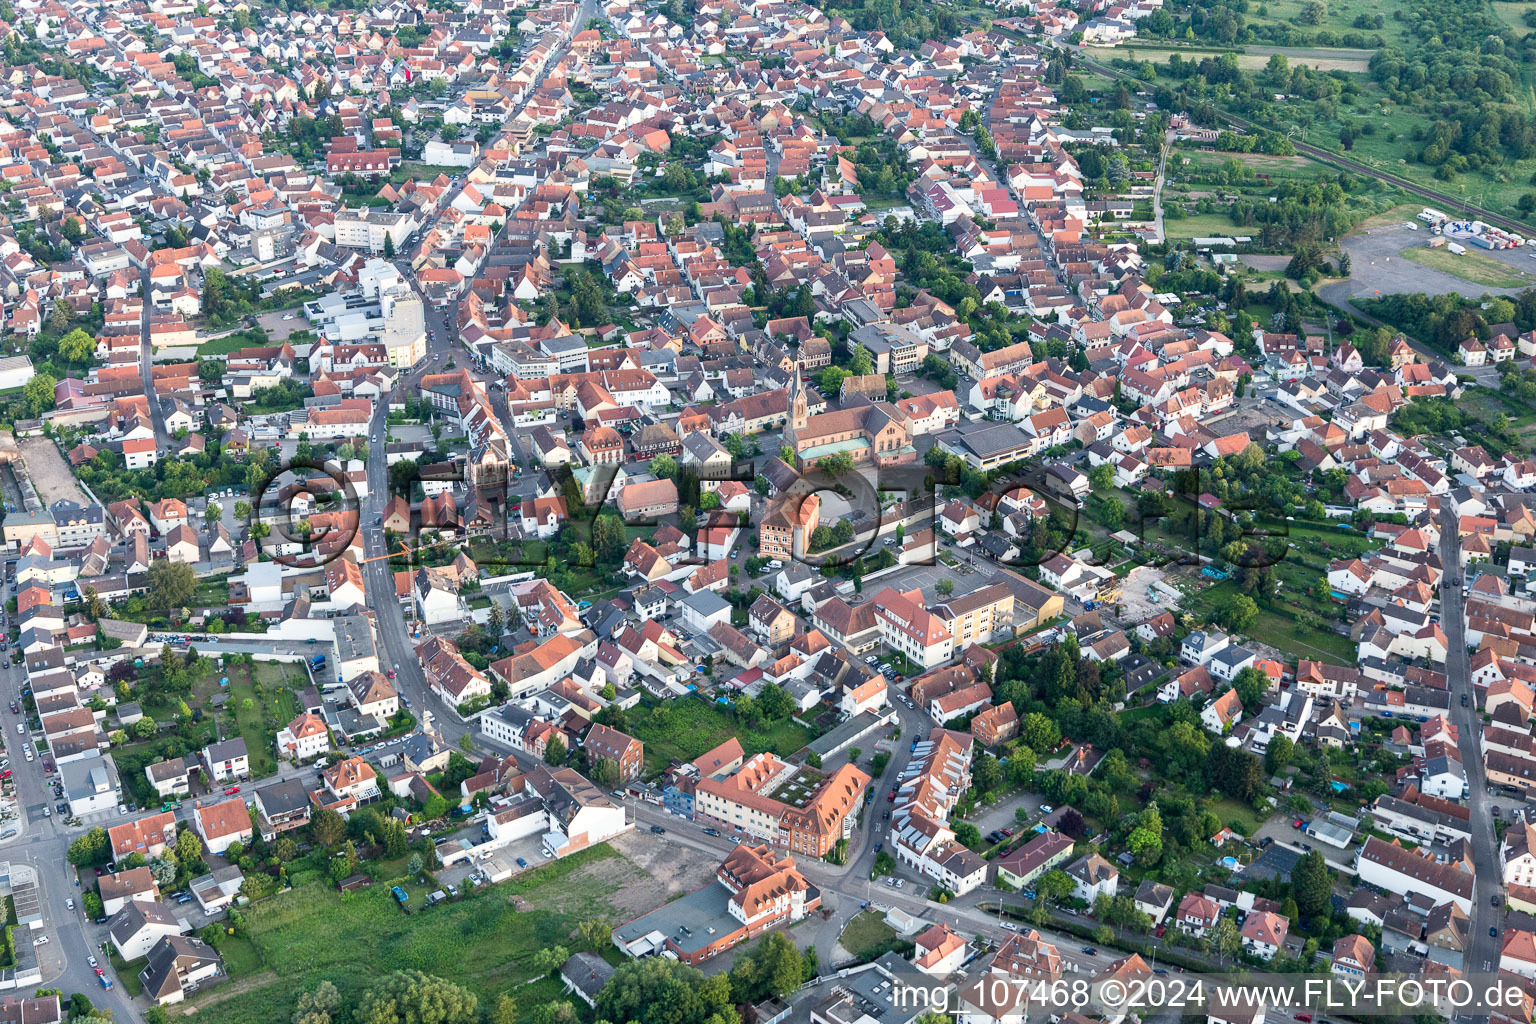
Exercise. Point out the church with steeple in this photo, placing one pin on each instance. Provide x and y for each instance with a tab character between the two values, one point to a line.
873	434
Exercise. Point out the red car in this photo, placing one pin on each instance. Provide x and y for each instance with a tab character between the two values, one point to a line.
232	790
390	674
5	774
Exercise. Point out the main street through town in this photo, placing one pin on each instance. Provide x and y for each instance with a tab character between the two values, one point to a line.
1483	948
42	843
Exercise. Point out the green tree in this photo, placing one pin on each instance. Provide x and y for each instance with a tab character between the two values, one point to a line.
77	346
327	828
389	247
170	585
1101	476
93	848
1239	614
1053	887
189	850
1251	685
773	968
554	751
503	1011
1312	885
1039	732
1278	754
37	394
411	997
835	465
660	991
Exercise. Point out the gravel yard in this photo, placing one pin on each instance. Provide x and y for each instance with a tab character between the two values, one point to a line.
49	472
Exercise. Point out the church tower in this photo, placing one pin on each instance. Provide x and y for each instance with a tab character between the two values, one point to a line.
799	412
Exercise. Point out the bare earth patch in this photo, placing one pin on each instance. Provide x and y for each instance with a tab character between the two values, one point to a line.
658	871
49	472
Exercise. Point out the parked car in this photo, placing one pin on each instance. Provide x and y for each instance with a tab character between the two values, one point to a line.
658	830
711	831
521	863
231	790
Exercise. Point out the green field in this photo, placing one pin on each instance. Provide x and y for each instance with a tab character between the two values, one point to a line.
312	933
252	338
1277	628
1200	225
684	729
1513	15
271	709
1254	57
1339	18
866	932
1470	266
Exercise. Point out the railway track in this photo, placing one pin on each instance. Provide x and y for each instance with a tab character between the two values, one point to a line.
1354	166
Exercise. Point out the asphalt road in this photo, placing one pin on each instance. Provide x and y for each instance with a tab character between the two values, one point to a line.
43	843
1483	949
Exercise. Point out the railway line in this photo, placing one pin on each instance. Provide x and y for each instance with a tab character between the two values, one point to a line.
1354	166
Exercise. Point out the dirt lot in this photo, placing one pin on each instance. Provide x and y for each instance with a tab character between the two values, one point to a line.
646	874
1133	594
49	472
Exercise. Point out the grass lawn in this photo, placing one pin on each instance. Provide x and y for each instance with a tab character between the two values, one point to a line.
865	932
1321	59
684	729
1230	810
240	957
275	704
1201	225
314	933
127	974
1277	627
1513	15
421	172
225	345
1470	266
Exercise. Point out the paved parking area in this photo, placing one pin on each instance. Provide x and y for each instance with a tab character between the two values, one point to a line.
926	577
1377	268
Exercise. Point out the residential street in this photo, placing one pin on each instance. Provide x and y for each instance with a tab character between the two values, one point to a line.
1483	951
42	843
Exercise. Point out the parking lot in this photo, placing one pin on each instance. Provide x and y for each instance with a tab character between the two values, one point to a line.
1377	266
926	578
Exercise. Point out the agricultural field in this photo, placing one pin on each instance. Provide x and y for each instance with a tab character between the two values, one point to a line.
1251	58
